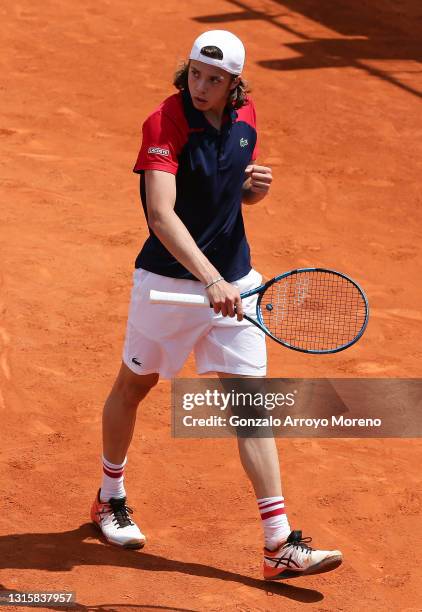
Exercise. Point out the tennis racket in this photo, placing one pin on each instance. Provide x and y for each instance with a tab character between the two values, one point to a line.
312	310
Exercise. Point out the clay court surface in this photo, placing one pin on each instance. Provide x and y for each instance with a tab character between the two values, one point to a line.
338	95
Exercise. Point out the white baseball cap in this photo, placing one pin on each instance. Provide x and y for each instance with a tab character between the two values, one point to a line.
230	46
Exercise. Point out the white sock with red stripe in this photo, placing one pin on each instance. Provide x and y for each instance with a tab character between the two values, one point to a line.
274	521
113	477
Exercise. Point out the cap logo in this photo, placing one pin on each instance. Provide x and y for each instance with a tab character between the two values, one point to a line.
213	52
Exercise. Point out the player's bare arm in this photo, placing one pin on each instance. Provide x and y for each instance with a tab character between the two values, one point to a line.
173	234
257	184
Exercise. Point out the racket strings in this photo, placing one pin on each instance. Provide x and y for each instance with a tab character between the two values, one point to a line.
314	310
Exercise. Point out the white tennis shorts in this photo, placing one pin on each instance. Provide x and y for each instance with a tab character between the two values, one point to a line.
159	337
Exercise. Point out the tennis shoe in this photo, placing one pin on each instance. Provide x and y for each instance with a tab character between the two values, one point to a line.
295	558
113	519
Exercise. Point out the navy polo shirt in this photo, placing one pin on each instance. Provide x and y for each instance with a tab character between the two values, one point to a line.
209	166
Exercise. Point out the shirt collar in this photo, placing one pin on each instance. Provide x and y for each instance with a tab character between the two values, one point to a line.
196	118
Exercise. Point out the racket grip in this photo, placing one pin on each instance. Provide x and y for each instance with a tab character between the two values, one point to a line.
181	299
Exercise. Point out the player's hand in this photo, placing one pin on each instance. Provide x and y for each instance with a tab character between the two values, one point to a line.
260	178
225	298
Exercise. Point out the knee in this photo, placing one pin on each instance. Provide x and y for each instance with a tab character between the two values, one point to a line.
132	388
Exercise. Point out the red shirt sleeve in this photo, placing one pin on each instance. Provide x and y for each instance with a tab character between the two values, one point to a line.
253	117
162	142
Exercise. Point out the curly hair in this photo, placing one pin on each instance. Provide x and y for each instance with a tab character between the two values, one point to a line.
237	98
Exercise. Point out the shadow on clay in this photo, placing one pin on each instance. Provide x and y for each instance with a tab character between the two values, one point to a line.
63	551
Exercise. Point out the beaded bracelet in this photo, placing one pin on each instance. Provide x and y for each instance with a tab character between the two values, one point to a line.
220	278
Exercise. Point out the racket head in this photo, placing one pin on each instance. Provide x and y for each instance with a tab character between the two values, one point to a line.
313	310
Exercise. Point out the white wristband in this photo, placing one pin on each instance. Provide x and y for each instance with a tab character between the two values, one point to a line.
220	278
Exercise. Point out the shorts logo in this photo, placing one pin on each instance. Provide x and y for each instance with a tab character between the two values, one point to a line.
136	361
158	151
243	142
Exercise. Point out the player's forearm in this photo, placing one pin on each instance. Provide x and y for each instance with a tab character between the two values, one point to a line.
173	234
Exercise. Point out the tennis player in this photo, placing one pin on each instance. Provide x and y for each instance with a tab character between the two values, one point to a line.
197	164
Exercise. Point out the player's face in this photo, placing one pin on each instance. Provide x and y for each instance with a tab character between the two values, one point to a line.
209	86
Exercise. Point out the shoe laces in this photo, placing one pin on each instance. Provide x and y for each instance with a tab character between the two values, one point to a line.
295	539
121	512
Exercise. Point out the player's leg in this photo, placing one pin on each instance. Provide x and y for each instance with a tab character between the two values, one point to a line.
157	343
235	349
286	553
119	414
259	458
109	510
